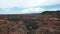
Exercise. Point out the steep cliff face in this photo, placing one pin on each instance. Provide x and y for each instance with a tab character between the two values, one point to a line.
44	23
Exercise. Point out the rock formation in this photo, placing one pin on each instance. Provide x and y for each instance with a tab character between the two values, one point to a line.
49	23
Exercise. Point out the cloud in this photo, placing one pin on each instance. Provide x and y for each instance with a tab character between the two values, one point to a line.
32	10
25	6
26	3
53	9
51	2
19	3
24	11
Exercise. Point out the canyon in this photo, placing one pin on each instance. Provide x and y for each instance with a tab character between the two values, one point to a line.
47	22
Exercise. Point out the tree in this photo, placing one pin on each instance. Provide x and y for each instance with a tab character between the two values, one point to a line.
32	25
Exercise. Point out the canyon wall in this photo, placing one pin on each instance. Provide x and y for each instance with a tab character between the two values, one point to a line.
49	23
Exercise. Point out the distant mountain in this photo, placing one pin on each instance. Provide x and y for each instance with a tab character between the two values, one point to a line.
50	12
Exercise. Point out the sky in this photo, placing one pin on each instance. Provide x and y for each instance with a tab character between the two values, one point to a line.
28	6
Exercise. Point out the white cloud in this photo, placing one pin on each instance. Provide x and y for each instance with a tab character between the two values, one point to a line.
7	4
19	3
53	9
26	3
25	11
32	10
51	2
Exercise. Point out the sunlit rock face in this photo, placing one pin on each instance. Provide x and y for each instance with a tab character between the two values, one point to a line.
43	23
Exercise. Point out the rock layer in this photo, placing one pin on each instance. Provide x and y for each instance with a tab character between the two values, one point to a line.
15	24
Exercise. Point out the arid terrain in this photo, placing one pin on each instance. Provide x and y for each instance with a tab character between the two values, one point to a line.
49	23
